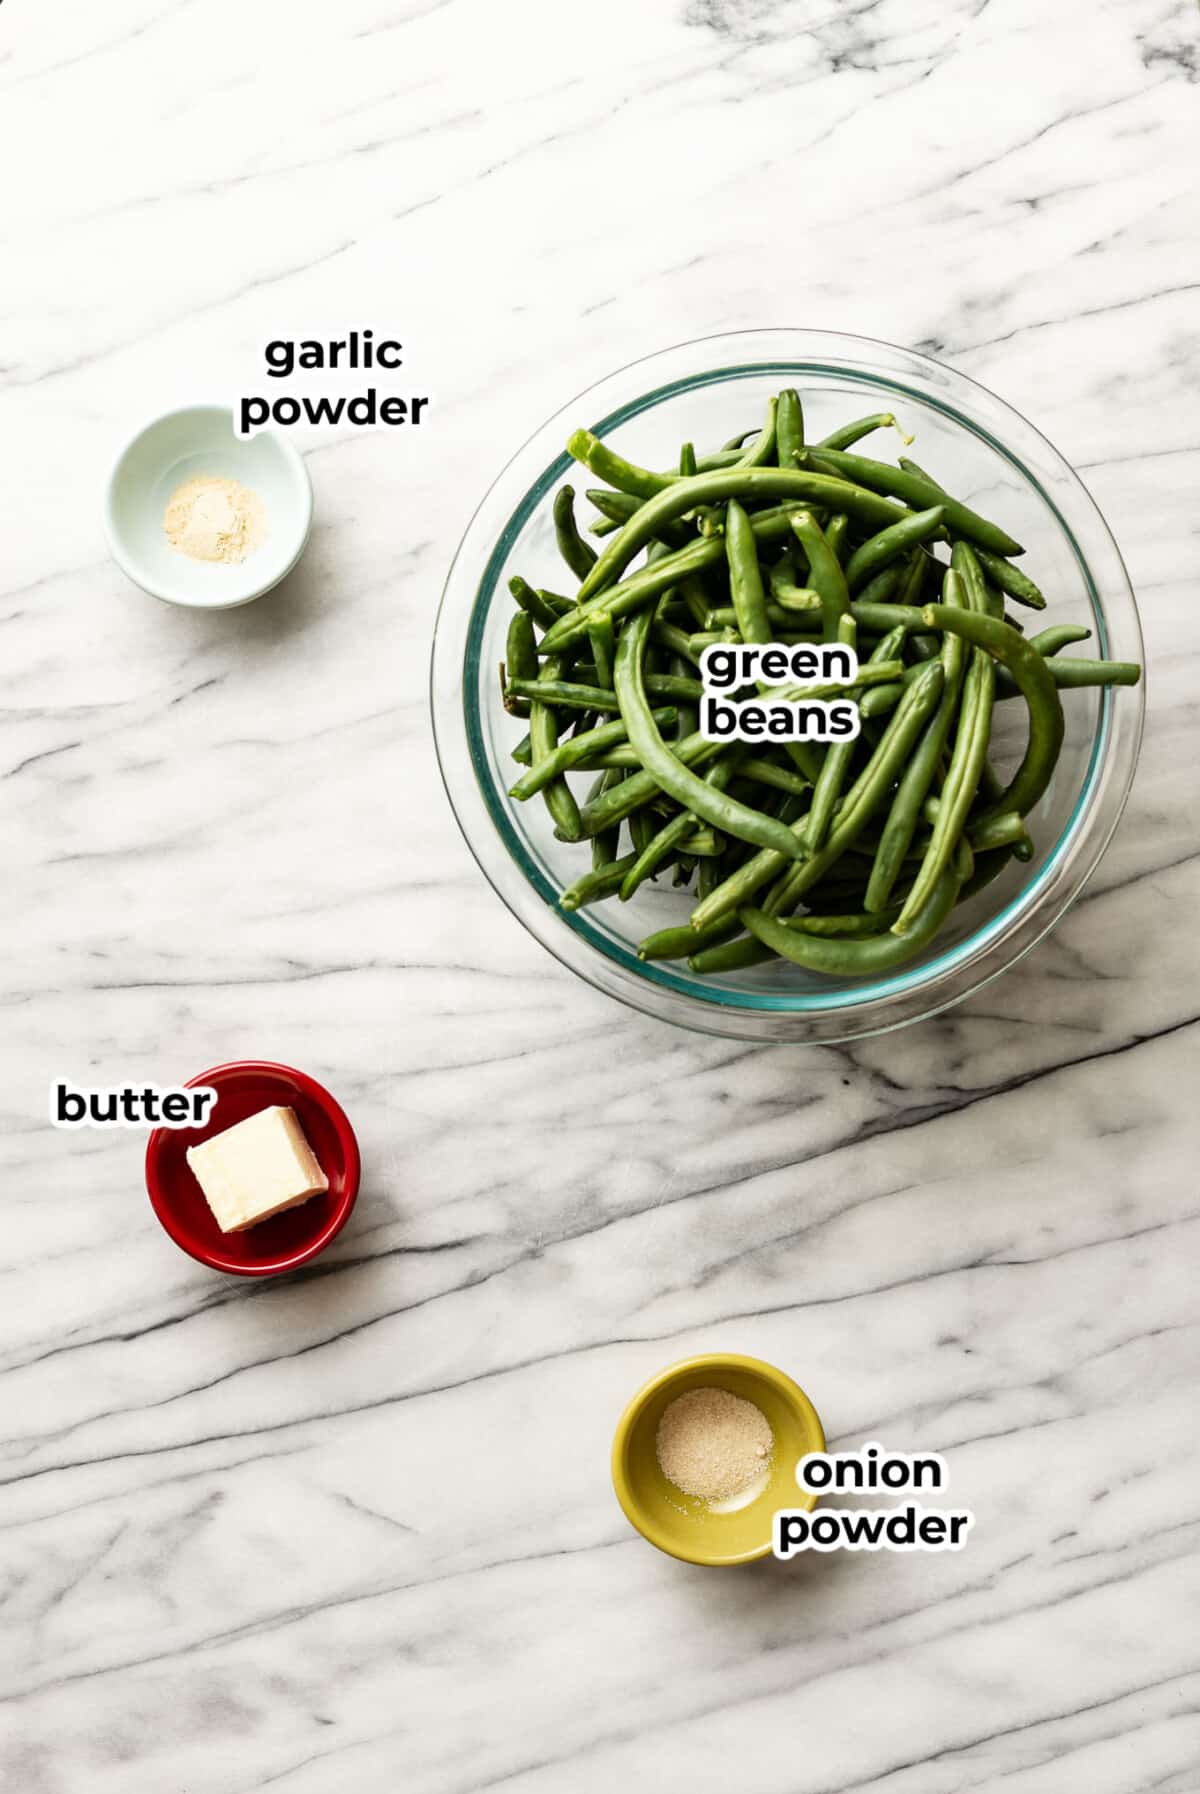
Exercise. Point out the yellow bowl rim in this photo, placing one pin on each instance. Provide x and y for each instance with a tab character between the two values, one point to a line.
784	1386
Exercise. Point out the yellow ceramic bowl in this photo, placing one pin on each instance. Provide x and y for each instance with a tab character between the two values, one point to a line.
682	1525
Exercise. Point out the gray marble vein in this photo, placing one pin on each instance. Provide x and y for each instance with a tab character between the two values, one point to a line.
355	1530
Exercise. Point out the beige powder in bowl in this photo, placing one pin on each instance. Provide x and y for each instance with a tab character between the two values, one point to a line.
713	1444
212	519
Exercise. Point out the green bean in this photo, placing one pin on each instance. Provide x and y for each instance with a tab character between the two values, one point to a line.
694	599
520	658
727	457
789	427
762	450
962	782
964	562
537	604
614	507
677	688
1058	636
710	874
849	924
839	756
687	460
617	508
884	588
603	642
1011	579
849	434
869	615
678	943
890	544
641	829
745	579
718	808
962	865
877	671
916	492
918	776
796	602
795	606
922	644
621	758
763	772
543	737
579	555
915	576
1007	830
569	696
981	597
704	844
600	882
748	951
730	956
687	720
824	571
614	469
570	754
889	646
855	958
1033	676
742	483
782	580
835	769
724	457
607	846
1073	675
881	700
521	647
837	532
910	466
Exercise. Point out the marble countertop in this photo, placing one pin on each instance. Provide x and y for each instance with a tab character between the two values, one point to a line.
355	1531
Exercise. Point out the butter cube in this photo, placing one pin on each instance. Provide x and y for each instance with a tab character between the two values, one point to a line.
256	1169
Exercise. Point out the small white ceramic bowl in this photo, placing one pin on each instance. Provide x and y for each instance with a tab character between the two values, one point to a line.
183	445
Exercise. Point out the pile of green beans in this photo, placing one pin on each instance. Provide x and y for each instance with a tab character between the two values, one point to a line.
847	858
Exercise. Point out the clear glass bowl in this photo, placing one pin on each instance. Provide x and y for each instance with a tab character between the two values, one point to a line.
704	392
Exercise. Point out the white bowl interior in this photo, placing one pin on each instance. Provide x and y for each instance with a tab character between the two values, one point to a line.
184	445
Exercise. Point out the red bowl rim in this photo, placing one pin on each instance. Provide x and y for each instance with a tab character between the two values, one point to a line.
347	1142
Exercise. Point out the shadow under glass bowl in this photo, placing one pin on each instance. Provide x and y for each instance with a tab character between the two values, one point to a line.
703	392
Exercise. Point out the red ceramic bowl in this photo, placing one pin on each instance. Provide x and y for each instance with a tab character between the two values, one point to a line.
288	1240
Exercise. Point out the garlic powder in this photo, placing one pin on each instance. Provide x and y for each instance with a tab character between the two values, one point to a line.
213	519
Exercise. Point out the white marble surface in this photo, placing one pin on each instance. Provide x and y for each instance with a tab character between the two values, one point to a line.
356	1532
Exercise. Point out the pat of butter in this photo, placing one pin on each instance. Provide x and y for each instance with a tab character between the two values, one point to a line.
256	1169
